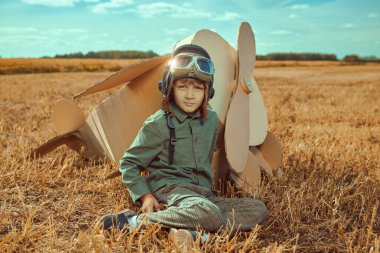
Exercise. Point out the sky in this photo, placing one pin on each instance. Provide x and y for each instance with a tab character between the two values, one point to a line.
36	28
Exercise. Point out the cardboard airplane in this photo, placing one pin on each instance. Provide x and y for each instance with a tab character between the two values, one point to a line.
244	148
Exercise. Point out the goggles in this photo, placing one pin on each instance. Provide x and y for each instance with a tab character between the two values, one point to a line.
187	65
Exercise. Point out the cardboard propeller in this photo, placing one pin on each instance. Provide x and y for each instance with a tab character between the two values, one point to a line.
244	164
111	126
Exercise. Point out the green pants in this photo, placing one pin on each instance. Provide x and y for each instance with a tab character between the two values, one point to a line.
192	206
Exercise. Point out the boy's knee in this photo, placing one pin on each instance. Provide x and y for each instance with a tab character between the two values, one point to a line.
260	209
210	216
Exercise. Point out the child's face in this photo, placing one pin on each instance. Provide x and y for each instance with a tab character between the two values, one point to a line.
188	94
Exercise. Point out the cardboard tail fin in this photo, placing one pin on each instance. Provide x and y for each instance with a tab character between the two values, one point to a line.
71	139
269	153
272	150
250	178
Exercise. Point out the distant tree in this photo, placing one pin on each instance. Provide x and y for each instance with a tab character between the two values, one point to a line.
351	58
261	57
298	57
370	58
129	54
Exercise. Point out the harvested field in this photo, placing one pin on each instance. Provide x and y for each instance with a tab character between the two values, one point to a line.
52	65
46	65
328	118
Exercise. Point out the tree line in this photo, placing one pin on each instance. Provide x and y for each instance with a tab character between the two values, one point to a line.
297	57
134	54
314	57
356	58
114	54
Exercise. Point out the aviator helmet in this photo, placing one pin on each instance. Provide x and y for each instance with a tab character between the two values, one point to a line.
191	61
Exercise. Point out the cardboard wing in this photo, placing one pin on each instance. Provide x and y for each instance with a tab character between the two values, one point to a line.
117	120
124	75
111	125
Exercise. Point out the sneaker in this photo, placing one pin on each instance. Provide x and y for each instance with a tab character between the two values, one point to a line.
182	239
117	220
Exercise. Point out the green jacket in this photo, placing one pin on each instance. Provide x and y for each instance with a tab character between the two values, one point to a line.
192	156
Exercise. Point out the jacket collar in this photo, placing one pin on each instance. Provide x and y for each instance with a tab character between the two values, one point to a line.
181	115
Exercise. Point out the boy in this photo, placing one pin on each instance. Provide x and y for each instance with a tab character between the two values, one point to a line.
175	146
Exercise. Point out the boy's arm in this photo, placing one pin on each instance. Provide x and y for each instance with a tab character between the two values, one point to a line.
147	145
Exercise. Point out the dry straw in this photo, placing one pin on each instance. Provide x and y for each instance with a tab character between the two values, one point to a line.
326	201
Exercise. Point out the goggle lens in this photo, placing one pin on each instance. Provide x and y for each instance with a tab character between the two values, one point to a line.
181	62
205	65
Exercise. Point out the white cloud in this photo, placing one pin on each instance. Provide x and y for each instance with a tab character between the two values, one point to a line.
30	33
264	44
22	38
178	31
62	31
52	3
281	32
293	15
299	6
185	10
349	25
227	16
104	35
373	15
172	10
112	4
151	10
12	30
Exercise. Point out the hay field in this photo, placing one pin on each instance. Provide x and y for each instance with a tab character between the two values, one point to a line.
46	65
328	119
52	65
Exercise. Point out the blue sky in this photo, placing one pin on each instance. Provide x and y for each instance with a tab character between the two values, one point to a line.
35	28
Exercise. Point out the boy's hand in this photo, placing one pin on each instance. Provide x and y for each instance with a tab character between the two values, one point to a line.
149	203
